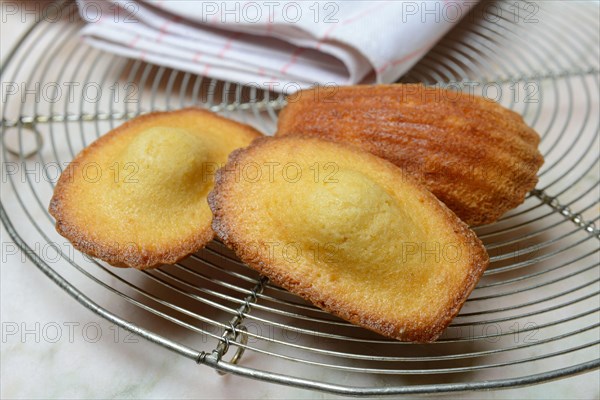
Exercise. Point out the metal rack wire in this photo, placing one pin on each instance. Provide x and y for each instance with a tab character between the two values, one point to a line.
533	317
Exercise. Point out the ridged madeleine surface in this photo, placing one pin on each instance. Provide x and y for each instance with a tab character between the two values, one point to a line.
136	197
349	232
476	156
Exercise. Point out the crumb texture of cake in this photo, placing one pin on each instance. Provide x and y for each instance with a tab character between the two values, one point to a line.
136	197
476	156
349	232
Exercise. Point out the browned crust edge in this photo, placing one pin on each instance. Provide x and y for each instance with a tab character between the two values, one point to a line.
130	255
225	230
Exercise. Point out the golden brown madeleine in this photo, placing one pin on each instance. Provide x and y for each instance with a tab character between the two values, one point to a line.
476	156
349	232
136	197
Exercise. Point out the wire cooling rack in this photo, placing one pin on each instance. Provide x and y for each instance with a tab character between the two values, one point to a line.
534	315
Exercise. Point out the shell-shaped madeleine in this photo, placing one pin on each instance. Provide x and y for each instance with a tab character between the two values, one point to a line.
349	232
476	156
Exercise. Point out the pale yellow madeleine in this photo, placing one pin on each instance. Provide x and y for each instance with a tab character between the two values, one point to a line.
349	232
137	196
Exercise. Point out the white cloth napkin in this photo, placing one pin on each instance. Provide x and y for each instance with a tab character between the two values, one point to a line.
284	45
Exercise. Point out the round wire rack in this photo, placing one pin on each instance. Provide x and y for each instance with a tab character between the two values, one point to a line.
534	315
